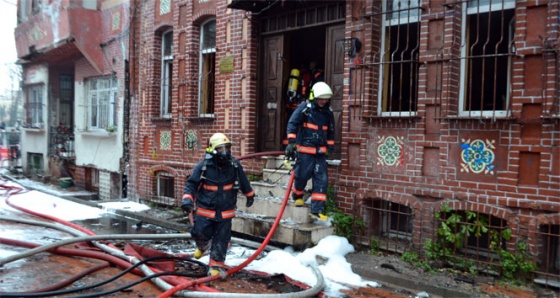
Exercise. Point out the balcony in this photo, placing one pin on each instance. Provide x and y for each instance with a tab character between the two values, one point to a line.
60	31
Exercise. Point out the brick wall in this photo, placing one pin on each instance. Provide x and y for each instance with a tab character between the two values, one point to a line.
430	171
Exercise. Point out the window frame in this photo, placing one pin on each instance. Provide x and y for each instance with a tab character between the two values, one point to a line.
35	105
406	17
166	74
206	88
113	90
161	193
467	10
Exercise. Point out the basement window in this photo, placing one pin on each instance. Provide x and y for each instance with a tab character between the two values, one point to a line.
487	37
549	249
399	58
165	187
166	73
389	223
207	69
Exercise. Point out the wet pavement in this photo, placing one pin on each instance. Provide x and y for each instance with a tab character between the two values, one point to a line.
44	269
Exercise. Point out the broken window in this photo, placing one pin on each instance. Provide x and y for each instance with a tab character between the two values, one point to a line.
399	58
35	106
488	27
207	68
102	97
166	73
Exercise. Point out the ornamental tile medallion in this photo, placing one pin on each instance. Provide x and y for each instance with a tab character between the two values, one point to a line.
164	7
165	140
191	140
390	151
478	156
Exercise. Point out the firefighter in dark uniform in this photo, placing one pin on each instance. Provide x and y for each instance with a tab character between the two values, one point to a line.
214	184
310	135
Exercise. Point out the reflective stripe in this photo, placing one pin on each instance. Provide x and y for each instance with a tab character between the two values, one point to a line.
297	192
318	196
215	263
250	194
188	195
228	214
292	136
216	187
330	142
206	212
311	150
311	126
315	126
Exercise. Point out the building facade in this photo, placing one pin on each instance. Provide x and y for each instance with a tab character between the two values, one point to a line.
442	107
74	57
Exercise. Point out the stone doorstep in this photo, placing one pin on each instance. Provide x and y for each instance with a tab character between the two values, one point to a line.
279	177
299	235
269	207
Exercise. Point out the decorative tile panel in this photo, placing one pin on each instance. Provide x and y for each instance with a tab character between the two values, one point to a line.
165	140
164	7
477	156
191	140
390	151
116	21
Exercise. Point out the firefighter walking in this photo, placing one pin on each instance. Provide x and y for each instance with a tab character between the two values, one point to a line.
311	135
213	185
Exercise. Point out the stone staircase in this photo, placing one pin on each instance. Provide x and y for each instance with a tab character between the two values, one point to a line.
295	229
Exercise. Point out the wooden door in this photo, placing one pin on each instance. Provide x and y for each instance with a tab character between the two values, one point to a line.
270	123
334	75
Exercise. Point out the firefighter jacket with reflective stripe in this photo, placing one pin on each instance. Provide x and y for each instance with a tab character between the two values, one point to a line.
312	127
214	186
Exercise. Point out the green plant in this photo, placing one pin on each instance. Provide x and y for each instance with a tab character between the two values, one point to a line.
373	246
413	259
253	178
345	225
330	204
111	128
454	230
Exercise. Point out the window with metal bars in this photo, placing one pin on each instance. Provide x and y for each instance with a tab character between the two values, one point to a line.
399	58
35	106
207	68
388	221
102	95
549	244
166	73
165	186
487	36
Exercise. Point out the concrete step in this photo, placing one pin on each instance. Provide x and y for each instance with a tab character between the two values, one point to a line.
270	206
298	235
280	176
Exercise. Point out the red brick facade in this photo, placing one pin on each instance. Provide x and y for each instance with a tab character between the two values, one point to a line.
521	186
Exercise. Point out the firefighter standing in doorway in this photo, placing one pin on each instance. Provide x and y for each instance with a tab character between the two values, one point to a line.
311	135
214	184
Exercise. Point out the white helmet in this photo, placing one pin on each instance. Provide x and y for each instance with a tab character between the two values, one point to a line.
217	140
321	90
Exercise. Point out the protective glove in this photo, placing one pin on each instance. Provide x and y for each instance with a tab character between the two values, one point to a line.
187	205
291	151
250	201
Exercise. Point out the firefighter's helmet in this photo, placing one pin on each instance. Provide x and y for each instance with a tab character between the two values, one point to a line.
217	140
321	90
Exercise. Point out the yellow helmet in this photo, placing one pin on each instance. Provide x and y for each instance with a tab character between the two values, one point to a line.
216	140
321	90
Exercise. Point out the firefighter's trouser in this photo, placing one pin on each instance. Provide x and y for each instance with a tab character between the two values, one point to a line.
312	166
205	230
